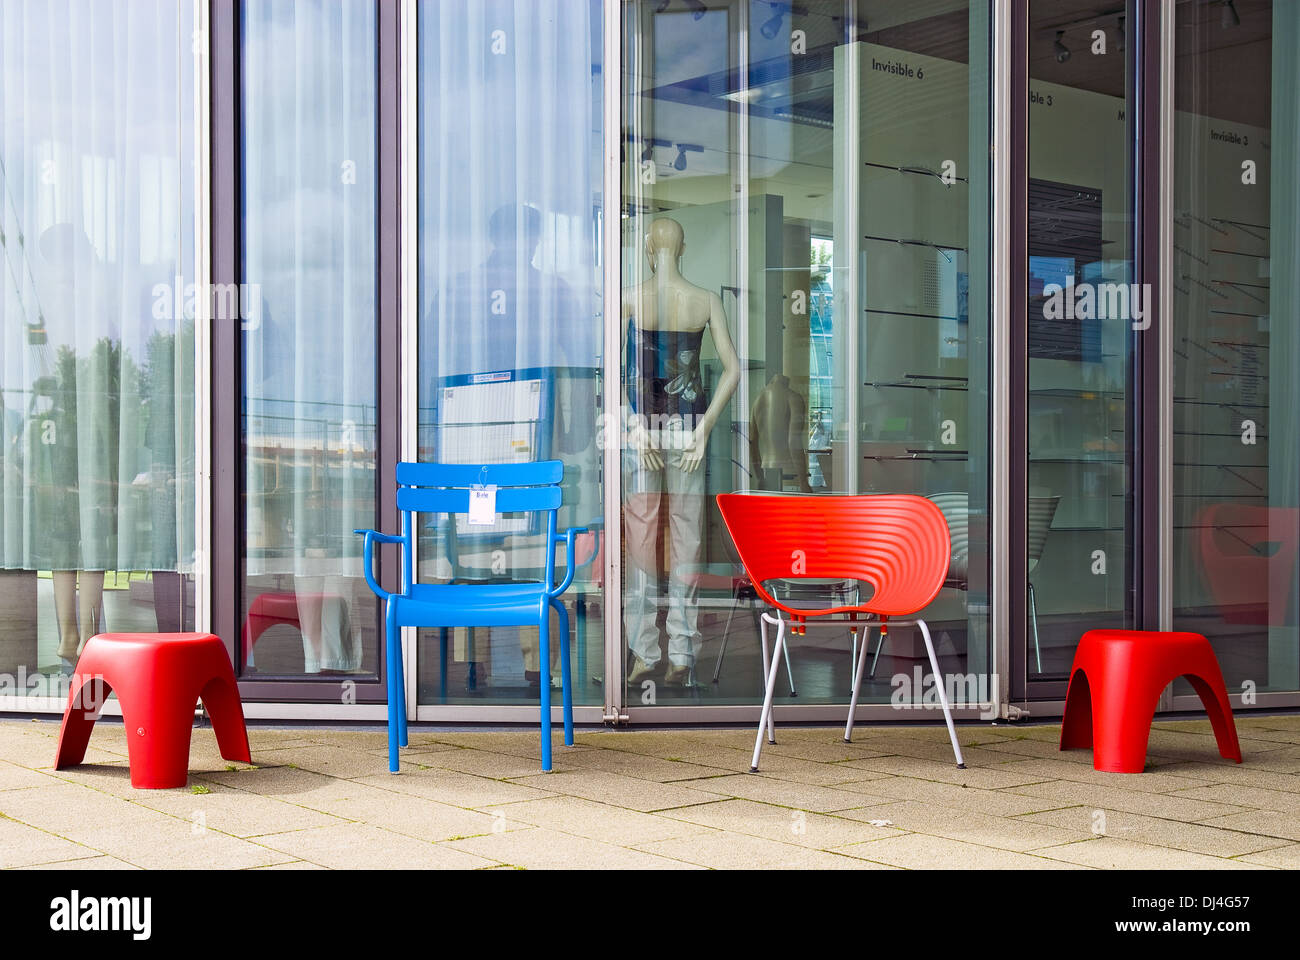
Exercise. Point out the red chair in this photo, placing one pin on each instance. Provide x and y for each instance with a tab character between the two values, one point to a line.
896	543
1115	683
158	678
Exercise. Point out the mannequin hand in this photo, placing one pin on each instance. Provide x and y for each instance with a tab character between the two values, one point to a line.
647	455
694	448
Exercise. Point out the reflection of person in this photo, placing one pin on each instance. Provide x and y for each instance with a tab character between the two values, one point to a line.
507	314
669	422
73	502
778	425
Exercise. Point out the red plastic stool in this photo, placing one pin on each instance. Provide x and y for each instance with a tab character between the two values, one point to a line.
1115	683
158	678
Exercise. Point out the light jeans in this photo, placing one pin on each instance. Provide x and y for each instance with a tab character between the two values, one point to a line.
645	492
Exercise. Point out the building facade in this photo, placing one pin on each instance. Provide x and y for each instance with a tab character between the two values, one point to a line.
1019	256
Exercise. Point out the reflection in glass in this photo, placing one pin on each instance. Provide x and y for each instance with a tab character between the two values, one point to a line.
510	315
307	310
96	330
1237	341
829	180
1080	320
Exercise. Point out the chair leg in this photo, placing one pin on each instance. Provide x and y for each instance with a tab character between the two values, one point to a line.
1076	721
943	696
544	655
394	704
876	658
857	685
1033	620
566	690
220	698
722	650
789	672
762	642
765	718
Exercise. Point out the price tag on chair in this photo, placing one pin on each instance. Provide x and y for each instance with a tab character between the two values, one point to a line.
483	506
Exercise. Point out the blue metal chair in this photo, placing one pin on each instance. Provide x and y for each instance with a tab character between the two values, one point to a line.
444	488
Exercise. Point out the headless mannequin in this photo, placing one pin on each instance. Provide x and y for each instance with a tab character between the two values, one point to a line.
777	444
665	319
75	630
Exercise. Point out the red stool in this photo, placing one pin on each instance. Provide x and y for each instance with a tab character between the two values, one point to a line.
158	678
1116	680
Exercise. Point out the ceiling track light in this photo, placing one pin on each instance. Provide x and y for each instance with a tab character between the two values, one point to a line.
1230	17
773	26
1062	51
682	150
697	8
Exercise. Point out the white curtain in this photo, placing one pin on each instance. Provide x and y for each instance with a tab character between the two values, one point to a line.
509	144
96	359
310	181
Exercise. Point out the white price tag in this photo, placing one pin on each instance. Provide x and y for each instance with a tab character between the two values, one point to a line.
483	506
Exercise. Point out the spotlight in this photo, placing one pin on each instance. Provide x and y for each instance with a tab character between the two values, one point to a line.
663	5
697	8
773	26
1230	18
649	151
1062	51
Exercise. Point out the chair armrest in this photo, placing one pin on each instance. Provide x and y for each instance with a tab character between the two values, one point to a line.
570	553
368	558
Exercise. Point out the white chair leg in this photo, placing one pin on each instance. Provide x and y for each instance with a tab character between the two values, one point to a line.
765	718
943	696
767	662
1033	619
857	684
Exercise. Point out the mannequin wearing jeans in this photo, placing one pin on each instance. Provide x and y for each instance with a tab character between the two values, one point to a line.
669	422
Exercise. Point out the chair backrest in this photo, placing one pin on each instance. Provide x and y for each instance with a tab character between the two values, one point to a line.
445	488
956	512
895	542
1039	512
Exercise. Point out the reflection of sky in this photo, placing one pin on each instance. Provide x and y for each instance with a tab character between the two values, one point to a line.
95	132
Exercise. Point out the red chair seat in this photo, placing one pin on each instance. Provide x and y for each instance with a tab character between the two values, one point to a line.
1116	682
158	678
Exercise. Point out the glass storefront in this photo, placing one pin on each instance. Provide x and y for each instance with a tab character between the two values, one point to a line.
97	334
687	247
805	302
1236	340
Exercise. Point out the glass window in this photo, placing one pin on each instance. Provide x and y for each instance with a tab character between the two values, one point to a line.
97	491
804	312
1237	338
510	335
307	307
1082	310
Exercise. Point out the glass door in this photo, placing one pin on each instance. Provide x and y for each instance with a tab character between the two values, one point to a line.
804	312
1236	342
1083	309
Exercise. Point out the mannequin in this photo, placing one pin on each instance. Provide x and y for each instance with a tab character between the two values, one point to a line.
78	622
669	423
777	440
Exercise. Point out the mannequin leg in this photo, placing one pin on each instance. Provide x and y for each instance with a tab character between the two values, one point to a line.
642	496
65	612
309	621
686	524
90	603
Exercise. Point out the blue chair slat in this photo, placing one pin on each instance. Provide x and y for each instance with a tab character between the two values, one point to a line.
509	499
444	489
541	473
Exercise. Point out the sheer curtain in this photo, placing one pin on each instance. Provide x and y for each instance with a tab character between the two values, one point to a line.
309	133
509	121
96	359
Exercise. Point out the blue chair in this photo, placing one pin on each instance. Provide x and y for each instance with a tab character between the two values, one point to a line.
444	488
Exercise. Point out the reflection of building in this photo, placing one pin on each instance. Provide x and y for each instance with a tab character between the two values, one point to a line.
840	184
